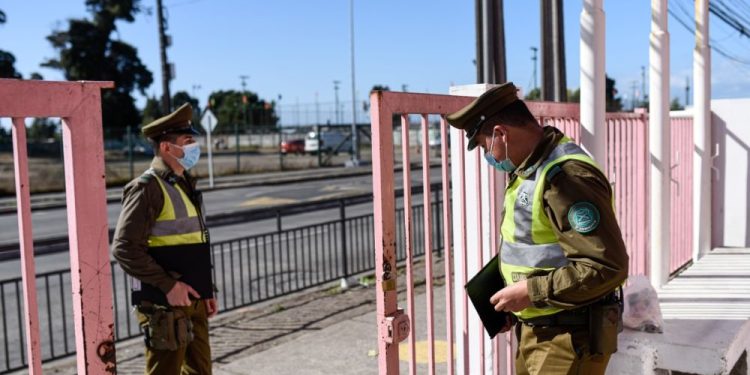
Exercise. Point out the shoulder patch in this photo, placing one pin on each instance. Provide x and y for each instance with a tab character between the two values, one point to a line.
583	217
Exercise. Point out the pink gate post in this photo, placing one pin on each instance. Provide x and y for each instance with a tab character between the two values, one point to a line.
78	104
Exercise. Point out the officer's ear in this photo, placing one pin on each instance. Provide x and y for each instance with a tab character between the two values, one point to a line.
501	130
164	146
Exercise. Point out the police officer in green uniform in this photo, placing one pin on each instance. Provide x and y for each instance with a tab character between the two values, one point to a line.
562	257
162	241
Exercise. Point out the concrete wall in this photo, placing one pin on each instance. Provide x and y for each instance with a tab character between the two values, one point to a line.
730	133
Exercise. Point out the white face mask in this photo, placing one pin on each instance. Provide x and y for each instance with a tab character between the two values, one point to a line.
191	155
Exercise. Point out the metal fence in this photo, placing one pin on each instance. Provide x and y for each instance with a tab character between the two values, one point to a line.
247	271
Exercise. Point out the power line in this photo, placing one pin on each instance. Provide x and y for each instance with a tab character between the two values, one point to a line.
714	45
181	3
726	16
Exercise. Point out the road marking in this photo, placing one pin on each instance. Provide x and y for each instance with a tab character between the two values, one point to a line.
441	351
267	201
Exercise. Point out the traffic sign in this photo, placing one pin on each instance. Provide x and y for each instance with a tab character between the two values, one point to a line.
209	121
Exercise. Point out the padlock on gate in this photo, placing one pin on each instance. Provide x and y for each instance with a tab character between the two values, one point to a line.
397	327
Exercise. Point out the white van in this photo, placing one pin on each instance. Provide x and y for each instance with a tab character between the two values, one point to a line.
328	141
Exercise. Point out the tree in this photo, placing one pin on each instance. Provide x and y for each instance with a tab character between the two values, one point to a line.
182	97
7	60
614	103
242	108
7	70
43	129
574	96
152	110
675	105
534	94
87	52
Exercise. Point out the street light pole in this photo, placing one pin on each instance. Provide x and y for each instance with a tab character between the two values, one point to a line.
355	138
336	90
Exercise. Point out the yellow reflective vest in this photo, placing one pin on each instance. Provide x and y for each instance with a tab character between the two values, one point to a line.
529	242
179	243
178	223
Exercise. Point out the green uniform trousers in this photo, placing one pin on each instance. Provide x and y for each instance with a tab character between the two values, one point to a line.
556	350
195	358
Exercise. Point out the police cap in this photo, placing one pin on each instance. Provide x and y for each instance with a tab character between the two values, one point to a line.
471	118
177	122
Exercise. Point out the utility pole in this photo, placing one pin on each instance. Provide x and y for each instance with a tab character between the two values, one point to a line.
317	109
558	50
336	90
355	138
242	81
166	76
633	100
491	67
687	91
546	91
533	61
554	86
244	100
643	84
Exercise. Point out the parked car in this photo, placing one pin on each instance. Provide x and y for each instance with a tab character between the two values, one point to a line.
327	141
294	146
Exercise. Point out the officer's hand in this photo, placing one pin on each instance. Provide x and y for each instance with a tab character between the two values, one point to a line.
180	294
212	307
512	298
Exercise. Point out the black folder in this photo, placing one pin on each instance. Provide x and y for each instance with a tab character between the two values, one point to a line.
480	288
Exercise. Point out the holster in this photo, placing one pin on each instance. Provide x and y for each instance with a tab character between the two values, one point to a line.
165	329
605	322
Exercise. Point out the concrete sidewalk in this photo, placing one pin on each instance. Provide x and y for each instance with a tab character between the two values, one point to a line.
321	331
332	331
283	325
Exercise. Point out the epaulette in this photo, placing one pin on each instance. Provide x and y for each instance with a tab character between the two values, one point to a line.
146	177
552	173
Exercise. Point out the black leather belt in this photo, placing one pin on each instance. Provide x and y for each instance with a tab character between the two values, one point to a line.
577	317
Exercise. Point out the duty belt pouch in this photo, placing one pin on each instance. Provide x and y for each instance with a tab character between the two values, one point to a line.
605	322
166	329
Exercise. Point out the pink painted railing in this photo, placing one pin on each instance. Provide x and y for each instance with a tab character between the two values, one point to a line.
627	168
682	192
78	104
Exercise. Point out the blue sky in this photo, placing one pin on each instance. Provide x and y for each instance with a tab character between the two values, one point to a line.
296	48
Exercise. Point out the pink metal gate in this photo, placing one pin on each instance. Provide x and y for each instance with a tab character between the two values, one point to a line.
79	106
682	193
626	165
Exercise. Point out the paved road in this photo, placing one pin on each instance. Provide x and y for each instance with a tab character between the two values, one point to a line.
53	222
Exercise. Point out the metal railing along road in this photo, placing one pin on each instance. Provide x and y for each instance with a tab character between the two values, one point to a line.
247	271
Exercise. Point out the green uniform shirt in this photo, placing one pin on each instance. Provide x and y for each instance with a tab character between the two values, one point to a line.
598	259
142	201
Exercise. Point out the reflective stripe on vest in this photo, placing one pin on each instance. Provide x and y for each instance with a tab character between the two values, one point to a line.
529	242
178	223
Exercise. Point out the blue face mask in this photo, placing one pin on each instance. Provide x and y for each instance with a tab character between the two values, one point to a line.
191	154
505	165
